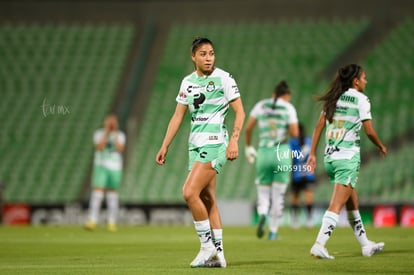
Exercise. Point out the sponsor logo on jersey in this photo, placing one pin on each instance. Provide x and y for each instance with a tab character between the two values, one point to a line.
191	88
213	138
198	100
199	118
341	110
182	95
348	98
203	154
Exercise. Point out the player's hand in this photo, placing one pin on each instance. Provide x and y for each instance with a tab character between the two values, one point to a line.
107	131
311	163
383	151
232	151
250	153
161	155
115	125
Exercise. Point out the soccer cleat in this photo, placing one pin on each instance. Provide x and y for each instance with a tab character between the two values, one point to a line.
372	248
90	226
261	226
272	236
319	252
112	227
205	254
217	260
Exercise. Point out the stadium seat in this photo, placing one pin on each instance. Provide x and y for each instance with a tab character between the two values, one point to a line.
73	66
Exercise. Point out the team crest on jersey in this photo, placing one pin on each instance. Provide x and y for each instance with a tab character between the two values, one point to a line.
210	87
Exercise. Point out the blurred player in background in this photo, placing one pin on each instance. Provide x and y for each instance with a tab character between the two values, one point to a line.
207	93
303	180
345	110
277	119
107	172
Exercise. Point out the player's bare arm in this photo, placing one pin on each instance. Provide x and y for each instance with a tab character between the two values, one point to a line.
173	126
294	130
372	135
232	151
316	135
251	122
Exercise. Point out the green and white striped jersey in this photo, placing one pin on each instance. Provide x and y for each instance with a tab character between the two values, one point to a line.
273	121
208	98
108	157
343	134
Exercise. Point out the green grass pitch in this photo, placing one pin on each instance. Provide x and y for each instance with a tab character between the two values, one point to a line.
170	249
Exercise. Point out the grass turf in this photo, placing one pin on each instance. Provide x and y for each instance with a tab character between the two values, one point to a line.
169	250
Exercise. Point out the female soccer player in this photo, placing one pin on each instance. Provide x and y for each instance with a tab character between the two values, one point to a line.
276	118
206	93
107	172
345	110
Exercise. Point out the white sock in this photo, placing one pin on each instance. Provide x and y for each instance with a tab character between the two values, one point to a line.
278	202
218	239
329	222
263	199
95	205
113	206
355	221
204	233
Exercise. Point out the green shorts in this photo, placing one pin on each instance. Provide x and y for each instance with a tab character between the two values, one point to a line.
343	171
106	178
216	154
273	165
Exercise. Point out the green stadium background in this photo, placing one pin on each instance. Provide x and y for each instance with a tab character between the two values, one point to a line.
64	65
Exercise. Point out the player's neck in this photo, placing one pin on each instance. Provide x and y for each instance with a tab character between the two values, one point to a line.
204	73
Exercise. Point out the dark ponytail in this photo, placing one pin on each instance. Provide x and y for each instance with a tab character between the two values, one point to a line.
342	82
281	89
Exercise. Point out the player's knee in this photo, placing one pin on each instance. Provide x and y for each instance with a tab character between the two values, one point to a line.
189	195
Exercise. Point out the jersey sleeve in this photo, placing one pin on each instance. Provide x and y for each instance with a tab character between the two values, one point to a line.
231	91
97	136
255	112
293	116
121	138
365	109
182	94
